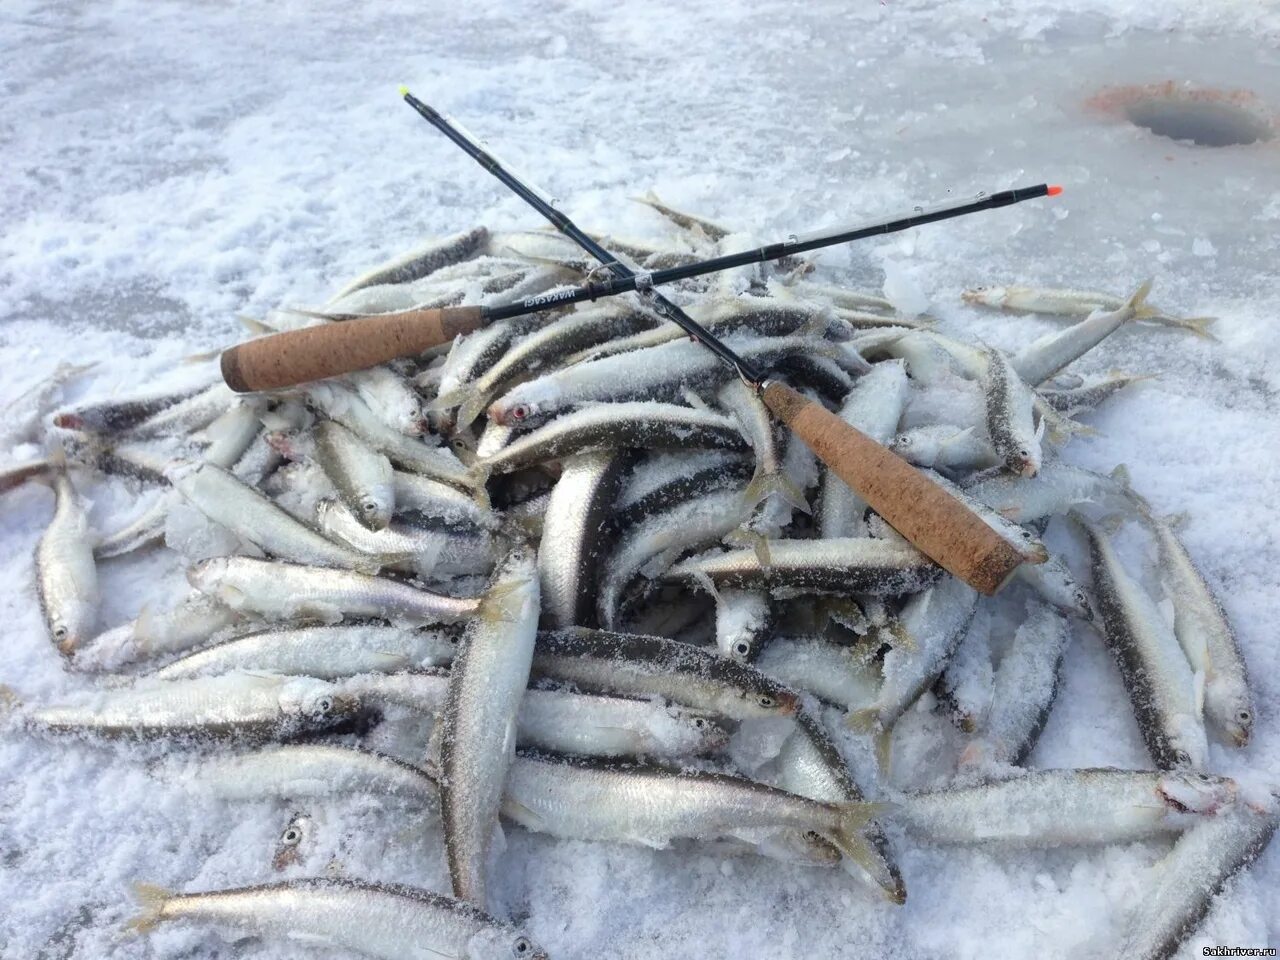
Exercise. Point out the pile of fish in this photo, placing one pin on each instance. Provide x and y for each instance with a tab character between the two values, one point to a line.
567	574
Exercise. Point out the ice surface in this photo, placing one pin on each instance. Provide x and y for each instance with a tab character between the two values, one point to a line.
170	165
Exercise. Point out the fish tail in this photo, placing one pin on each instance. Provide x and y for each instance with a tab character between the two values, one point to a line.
10	700
864	721
972	756
770	483
152	899
469	411
848	838
884	749
1137	302
1199	326
756	541
478	484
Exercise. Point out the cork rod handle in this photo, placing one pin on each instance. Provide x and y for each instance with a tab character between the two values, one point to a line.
313	353
938	524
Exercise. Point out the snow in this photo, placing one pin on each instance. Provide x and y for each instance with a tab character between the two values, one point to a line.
171	165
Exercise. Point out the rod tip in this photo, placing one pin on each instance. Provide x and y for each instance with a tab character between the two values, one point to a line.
1054	190
404	91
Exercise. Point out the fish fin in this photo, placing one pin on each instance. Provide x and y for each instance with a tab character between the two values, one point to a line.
449	400
201	357
522	814
469	411
10	700
497	606
756	541
1199	326
1176	521
767	484
884	750
1198	684
256	327
863	721
900	637
848	837
1120	474
1137	301
962	434
152	899
1112	522
843	611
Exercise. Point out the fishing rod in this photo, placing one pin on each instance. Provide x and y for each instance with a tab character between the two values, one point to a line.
939	524
931	518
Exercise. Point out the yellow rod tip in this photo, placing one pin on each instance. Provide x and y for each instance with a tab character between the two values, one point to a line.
404	91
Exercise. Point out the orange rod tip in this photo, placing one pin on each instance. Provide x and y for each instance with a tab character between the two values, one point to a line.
1054	190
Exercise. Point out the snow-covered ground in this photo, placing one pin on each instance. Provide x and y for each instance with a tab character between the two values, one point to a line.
168	165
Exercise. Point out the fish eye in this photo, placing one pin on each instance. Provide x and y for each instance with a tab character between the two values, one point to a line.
60	632
1204	778
742	648
766	701
812	836
1182	757
521	947
1024	452
325	704
292	835
1243	716
369	506
520	411
699	723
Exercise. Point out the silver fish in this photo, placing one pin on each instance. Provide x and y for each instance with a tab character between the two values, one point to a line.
1045	808
654	666
284	591
656	540
810	765
573	536
391	397
1020	538
1184	885
1072	400
1204	632
946	446
651	805
66	577
384	921
757	425
831	672
327	652
428	552
600	426
232	705
1042	359
1010	423
1024	689
1055	490
744	623
704	228
255	518
843	567
478	723
1166	696
415	493
119	416
1077	303
308	771
422	261
361	475
1054	582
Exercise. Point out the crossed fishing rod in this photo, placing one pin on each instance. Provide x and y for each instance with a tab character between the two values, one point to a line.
934	520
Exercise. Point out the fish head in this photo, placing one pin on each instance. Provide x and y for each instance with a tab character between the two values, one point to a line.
317	703
293	841
1231	708
207	574
494	942
762	700
916	447
1199	793
377	503
988	296
1082	602
697	732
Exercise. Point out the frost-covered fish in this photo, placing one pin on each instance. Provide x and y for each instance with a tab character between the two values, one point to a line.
1165	693
421	261
415	493
946	446
66	577
284	591
477	726
308	771
744	623
1181	887
1087	395
1045	808
362	476
118	416
651	806
1010	423
831	672
1023	540
1024	689
426	551
566	721
654	666
810	765
1054	582
652	543
757	425
658	373
1076	303
1204	632
874	406
543	349
936	620
391	397
232	705
153	633
575	536
711	231
254	518
1052	352
600	426
384	921
325	652
1055	490
844	566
